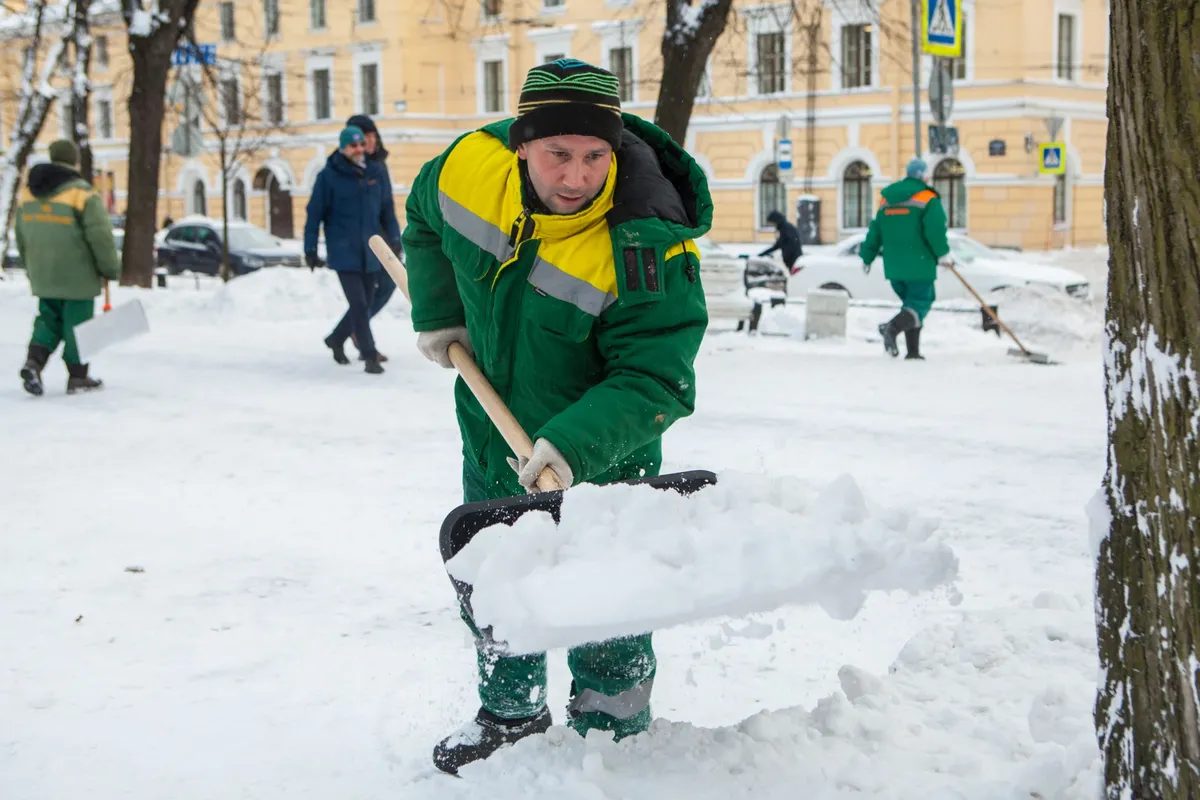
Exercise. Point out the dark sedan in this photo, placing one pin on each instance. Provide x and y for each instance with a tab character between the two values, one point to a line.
196	247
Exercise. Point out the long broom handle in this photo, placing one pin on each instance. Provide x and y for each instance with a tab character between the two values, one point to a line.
514	435
987	308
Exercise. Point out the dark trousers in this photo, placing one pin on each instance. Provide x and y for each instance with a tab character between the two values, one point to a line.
384	287
359	288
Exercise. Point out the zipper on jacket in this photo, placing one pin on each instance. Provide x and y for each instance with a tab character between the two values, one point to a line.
520	233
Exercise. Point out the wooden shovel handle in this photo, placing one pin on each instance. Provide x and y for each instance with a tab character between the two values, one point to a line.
514	435
987	308
107	298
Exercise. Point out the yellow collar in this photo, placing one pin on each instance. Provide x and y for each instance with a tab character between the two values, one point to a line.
560	226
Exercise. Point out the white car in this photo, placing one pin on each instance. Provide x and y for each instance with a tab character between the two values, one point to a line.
725	292
984	268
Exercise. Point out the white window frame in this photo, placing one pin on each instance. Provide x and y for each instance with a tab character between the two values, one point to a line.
278	20
550	41
274	65
622	33
103	93
492	48
546	9
224	73
765	19
854	12
368	54
1069	8
65	104
311	65
325	8
490	19
107	52
358	21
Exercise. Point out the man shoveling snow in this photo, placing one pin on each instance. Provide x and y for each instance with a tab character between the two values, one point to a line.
557	248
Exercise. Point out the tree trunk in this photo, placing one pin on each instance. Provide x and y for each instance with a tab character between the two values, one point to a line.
81	87
152	40
1148	575
693	27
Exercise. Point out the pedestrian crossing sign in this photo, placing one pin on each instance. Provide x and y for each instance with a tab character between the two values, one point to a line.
942	28
1052	158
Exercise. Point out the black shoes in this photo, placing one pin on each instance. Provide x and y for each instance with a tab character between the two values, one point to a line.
485	735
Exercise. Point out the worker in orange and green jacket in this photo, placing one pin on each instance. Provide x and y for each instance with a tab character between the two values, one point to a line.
910	229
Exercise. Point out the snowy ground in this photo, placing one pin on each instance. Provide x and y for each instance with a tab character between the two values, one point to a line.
219	578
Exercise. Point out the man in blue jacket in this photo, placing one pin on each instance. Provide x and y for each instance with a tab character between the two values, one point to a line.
352	198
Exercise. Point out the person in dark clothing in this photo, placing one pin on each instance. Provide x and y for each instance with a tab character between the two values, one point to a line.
384	285
352	198
787	241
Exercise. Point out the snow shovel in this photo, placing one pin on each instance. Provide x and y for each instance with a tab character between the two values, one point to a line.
1036	358
461	525
115	325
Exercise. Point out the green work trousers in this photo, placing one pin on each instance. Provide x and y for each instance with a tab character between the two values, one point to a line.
56	321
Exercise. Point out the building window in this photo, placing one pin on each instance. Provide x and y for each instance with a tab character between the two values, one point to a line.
230	100
772	195
239	199
104	118
322	107
958	66
316	14
620	63
66	116
856	196
1060	199
553	3
366	10
771	53
274	98
1066	47
491	8
493	86
949	181
368	87
228	23
271	17
550	59
199	201
856	56
100	51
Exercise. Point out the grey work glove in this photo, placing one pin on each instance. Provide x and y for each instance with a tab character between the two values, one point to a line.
946	261
544	455
866	268
435	345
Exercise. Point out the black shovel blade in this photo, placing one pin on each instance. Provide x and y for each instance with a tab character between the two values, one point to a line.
461	524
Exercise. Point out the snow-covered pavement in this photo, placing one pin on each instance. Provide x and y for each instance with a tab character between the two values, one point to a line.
219	578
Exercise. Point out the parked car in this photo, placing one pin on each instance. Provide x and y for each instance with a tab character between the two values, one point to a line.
984	268
194	244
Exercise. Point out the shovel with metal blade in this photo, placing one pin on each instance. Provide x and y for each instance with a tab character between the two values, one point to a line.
464	522
115	325
1036	358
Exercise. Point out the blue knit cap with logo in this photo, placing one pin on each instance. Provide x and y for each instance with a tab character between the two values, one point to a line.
351	134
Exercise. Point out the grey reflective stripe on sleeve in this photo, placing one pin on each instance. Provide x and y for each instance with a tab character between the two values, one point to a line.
914	203
628	703
579	293
481	232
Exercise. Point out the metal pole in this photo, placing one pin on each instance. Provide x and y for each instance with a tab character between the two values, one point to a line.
916	76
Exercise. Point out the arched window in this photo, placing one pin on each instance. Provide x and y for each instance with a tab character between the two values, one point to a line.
199	201
239	200
948	179
772	195
856	196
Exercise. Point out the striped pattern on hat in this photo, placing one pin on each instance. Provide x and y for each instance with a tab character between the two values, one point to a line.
568	96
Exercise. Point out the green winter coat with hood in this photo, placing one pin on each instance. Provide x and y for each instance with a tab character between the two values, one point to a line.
64	235
910	227
586	324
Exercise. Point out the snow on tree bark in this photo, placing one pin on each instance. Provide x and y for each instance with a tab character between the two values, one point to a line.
32	111
153	36
1148	571
81	87
692	30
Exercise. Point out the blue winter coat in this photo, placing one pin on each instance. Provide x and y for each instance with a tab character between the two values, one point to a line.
353	203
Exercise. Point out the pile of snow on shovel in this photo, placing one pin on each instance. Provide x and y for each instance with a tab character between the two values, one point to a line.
629	559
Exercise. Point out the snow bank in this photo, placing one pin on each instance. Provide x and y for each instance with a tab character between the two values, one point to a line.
283	294
630	559
1047	315
990	706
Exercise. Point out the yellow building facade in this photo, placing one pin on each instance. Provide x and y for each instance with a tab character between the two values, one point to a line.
834	76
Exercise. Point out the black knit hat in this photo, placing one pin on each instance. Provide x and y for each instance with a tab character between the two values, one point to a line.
363	123
568	97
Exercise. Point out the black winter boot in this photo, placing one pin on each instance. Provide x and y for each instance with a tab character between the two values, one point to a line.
372	366
912	338
339	351
31	373
79	380
906	320
477	740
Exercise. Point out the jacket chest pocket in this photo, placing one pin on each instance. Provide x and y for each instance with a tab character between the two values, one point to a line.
557	317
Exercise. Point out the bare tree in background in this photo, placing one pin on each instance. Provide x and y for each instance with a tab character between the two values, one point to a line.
692	30
1148	577
36	96
81	85
153	36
